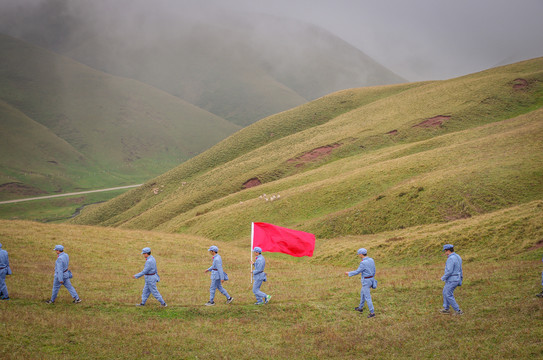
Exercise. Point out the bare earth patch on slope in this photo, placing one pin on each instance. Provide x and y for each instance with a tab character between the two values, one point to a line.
538	245
520	84
433	121
313	155
251	183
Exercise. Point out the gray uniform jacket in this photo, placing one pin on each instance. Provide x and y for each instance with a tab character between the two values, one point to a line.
216	269
61	267
258	272
149	269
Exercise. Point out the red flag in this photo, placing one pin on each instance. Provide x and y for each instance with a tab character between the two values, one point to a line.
274	238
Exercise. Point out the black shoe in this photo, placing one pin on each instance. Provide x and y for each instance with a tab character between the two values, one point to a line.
540	294
209	303
164	305
5	298
228	301
77	301
371	315
140	304
49	302
359	309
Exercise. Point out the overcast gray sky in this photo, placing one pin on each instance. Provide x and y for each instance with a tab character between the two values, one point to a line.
417	39
424	39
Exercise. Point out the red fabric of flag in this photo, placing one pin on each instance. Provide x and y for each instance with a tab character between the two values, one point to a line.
273	238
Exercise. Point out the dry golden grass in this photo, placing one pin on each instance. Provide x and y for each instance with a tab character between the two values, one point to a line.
310	315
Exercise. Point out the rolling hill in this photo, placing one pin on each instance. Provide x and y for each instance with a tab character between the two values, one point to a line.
66	126
359	161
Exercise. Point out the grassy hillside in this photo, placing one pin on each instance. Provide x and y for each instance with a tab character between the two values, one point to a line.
310	314
360	161
65	125
31	153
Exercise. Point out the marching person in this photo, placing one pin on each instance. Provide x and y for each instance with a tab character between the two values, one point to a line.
62	276
453	277
151	278
366	269
538	295
4	270
259	277
218	276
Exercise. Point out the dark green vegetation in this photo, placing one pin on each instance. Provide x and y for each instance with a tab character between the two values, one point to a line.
360	161
66	127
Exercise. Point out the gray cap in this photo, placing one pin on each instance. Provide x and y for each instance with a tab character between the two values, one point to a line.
258	250
448	247
362	251
213	248
146	250
59	248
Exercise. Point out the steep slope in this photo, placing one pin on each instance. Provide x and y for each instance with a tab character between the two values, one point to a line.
118	129
359	161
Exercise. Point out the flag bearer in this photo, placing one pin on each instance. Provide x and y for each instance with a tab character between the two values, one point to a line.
218	276
453	277
367	271
4	270
259	277
62	276
151	278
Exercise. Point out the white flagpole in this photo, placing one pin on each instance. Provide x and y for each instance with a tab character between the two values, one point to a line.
252	237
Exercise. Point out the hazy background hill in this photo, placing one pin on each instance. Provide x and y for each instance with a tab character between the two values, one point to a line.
359	161
67	126
239	67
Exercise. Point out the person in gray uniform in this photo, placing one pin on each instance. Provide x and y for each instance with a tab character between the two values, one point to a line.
259	276
452	277
62	276
366	269
218	277
151	278
4	270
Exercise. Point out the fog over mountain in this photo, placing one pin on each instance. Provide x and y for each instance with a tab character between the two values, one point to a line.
419	39
238	65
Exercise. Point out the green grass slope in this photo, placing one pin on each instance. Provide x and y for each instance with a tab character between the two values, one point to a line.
115	130
360	161
311	311
31	153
